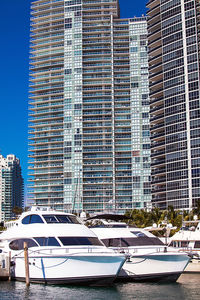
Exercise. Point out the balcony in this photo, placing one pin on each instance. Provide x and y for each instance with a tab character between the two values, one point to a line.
156	127
156	74
158	136
154	18
156	162
157	144
46	10
155	61
160	179
157	153
157	108
159	189
36	5
153	4
155	43
40	124
158	171
161	197
157	101
154	34
156	94
157	117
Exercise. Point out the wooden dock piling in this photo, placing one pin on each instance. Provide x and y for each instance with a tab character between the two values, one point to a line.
9	264
26	263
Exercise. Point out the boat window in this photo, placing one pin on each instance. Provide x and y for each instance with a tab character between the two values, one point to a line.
77	241
179	244
175	244
138	233
197	244
36	219
184	243
32	219
185	228
47	241
126	242
50	219
67	219
60	219
118	242
26	220
19	244
112	242
118	226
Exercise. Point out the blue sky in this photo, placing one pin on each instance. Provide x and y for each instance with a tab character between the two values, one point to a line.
14	56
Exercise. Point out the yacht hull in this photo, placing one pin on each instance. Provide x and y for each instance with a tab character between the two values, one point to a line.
84	281
162	277
154	267
84	269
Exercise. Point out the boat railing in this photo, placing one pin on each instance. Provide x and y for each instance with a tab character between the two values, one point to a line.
131	250
62	251
193	253
185	249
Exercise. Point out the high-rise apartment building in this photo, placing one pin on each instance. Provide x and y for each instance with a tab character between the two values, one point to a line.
11	186
89	107
173	27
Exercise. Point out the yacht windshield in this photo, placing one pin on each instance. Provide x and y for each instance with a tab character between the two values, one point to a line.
139	233
31	219
80	241
118	226
47	241
197	244
126	242
60	219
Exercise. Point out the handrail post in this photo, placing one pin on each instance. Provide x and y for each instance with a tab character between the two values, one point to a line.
26	263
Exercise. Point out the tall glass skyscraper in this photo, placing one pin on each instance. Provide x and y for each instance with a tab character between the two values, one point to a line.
89	107
173	27
11	187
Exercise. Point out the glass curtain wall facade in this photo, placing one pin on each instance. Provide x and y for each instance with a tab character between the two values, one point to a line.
175	105
11	187
89	107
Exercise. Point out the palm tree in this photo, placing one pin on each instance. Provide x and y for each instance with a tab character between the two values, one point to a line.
139	217
156	216
196	209
17	210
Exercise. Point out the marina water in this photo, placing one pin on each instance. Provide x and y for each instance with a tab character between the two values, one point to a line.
187	287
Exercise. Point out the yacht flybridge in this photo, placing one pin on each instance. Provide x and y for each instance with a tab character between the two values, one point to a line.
147	257
61	250
187	239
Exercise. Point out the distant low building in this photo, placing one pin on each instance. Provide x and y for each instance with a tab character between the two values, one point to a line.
11	187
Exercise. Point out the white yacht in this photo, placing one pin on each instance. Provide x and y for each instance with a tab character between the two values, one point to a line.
147	257
61	250
187	239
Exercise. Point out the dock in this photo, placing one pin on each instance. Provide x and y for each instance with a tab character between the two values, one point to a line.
193	267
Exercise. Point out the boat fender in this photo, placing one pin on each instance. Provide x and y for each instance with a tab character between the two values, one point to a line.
12	263
190	254
196	255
